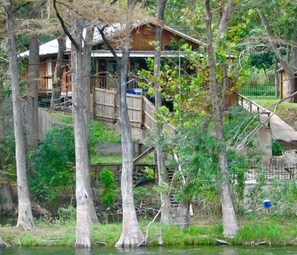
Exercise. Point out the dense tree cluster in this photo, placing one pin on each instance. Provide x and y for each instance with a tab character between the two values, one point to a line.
236	35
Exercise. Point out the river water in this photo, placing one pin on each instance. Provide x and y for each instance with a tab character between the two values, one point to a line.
204	250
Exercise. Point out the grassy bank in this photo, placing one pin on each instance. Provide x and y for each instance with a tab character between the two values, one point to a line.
274	231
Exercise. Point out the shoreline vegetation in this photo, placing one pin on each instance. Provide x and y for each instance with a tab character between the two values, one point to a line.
264	230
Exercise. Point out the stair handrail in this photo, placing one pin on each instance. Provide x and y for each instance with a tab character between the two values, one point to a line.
259	108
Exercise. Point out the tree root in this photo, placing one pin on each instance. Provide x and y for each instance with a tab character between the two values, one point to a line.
2	243
260	243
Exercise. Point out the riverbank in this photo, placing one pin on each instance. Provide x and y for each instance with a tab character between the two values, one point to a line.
265	231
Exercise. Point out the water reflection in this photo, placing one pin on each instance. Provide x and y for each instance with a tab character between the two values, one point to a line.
83	252
213	250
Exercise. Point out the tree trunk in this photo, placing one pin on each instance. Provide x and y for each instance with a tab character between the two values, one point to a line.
131	235
87	52
25	217
224	21
32	99
166	213
83	197
277	78
7	205
2	243
86	65
181	217
84	200
230	224
290	68
57	84
293	83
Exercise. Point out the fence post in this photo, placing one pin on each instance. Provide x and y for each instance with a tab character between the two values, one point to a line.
115	95
142	112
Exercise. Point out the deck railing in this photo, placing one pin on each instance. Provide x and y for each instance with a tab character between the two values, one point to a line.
251	106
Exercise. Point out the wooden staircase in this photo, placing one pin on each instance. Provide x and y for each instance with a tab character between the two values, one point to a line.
141	114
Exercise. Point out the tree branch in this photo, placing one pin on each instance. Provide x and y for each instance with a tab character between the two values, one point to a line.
107	43
228	10
64	26
249	137
284	63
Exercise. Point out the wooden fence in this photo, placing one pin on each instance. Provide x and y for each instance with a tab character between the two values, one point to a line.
141	111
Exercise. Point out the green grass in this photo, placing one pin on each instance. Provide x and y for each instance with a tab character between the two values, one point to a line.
287	111
64	117
114	159
269	101
57	233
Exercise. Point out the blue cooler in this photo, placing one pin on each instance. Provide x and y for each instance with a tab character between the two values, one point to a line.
267	204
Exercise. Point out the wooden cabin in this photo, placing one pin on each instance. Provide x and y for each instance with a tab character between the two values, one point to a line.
104	69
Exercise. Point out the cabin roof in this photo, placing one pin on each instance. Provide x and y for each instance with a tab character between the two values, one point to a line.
51	47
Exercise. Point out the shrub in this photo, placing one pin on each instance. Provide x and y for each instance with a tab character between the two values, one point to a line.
277	148
108	191
53	162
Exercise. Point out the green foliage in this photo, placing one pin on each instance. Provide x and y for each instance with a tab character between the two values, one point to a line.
277	148
66	214
150	173
258	83
108	192
283	195
262	60
28	240
197	153
53	162
100	133
257	231
7	155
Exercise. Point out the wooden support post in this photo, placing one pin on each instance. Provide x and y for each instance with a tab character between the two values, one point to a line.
142	112
114	107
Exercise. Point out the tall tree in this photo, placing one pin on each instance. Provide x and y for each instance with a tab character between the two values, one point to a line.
131	235
25	217
33	69
87	52
162	171
83	220
85	207
230	224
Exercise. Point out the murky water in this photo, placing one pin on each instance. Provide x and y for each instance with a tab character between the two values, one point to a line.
205	250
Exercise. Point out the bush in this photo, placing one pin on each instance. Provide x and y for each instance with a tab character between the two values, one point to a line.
99	133
53	163
277	148
108	191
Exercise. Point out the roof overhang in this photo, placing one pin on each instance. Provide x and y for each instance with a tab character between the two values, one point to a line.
51	47
138	54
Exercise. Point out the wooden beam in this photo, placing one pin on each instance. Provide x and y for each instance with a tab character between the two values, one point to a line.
142	155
